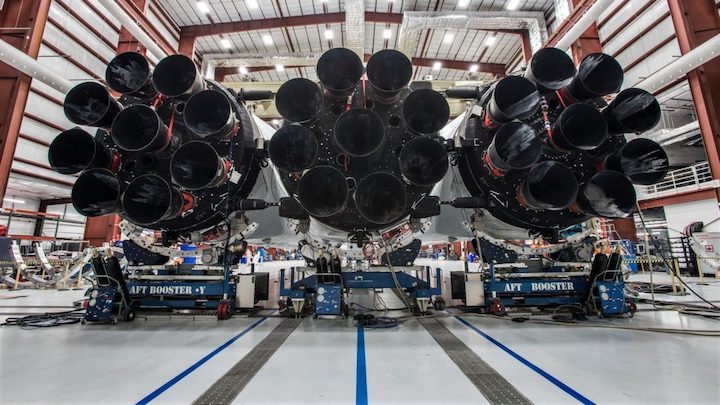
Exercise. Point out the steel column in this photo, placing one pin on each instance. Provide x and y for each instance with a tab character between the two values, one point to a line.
22	23
697	21
589	41
127	42
186	45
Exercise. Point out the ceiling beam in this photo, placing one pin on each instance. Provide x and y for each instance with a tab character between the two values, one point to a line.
495	69
294	21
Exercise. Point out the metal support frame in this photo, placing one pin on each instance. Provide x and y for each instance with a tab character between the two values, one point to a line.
30	18
419	286
697	21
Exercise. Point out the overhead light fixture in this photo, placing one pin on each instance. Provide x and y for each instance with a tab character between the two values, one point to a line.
251	4
242	70
512	4
437	66
203	7
463	3
328	34
225	43
473	68
279	68
490	41
387	33
14	200
267	39
448	38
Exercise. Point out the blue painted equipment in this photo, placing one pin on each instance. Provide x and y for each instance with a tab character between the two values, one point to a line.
593	289
328	300
306	288
101	301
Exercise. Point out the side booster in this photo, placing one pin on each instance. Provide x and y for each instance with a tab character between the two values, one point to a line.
547	152
169	154
359	156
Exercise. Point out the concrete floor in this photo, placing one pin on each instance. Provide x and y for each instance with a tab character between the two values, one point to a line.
175	360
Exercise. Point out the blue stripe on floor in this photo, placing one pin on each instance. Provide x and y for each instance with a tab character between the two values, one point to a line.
199	363
361	397
530	365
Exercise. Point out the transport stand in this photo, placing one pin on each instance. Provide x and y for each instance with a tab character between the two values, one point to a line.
315	293
593	290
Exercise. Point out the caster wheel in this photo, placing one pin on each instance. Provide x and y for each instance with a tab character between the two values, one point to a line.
631	308
223	310
497	308
128	315
83	322
113	322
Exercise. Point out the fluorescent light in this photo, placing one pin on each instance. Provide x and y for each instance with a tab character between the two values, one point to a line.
251	4
473	68
279	68
463	3
448	38
387	33
512	4
328	34
14	200
437	66
203	7
490	41
242	70
267	39
225	43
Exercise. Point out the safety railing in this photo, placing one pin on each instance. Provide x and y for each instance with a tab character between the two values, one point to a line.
691	178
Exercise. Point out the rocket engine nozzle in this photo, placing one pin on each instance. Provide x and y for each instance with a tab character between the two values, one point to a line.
138	128
642	160
359	132
550	185
633	110
91	104
579	127
196	165
550	69
129	73
75	150
608	194
323	191
299	100
423	161
388	71
515	146
380	198
96	192
176	76
150	199
293	148
339	70
425	111
598	75
208	113
513	98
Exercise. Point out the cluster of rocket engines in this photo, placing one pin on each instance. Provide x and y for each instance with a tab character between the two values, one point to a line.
361	151
545	151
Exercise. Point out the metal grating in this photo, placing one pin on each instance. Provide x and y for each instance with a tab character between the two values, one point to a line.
227	388
489	382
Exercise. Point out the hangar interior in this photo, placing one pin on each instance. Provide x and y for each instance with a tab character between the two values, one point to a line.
360	201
